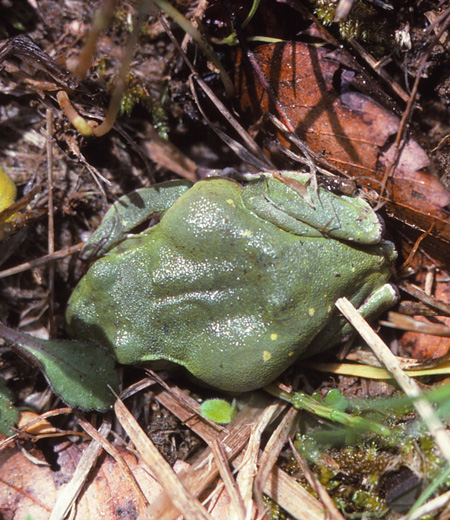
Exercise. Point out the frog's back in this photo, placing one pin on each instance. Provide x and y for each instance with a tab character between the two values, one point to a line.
214	288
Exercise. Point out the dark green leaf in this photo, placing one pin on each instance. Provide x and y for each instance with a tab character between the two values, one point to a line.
82	374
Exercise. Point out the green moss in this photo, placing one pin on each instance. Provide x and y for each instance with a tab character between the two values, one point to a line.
364	23
275	512
137	94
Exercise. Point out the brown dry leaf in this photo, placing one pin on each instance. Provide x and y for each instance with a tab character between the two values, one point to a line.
426	346
26	490
322	97
30	491
34	425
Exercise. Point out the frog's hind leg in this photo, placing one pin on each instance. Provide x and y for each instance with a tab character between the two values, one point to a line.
130	211
379	301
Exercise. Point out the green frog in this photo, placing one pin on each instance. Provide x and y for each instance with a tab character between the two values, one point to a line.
236	281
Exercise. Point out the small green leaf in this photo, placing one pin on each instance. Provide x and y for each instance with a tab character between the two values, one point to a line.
334	399
8	414
218	410
82	374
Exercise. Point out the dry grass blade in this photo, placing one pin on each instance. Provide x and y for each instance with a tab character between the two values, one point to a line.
408	385
32	264
280	486
69	493
272	450
372	372
429	508
293	497
249	466
109	448
204	470
183	500
331	508
230	484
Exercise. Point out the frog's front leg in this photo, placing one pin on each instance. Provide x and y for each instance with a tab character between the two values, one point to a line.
379	301
288	201
130	211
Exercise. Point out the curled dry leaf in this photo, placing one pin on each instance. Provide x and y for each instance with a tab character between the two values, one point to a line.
321	96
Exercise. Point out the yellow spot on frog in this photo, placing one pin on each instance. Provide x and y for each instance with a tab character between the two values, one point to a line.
231	202
7	190
266	356
312	311
273	336
247	233
291	353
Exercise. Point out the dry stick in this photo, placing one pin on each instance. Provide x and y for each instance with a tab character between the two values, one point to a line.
246	137
249	466
181	498
375	65
70	492
331	509
407	113
271	452
252	145
250	152
424	297
114	453
51	224
221	460
408	385
261	77
279	486
100	22
205	46
428	508
398	320
40	261
203	470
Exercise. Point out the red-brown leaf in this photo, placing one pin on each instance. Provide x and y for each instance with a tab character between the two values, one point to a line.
326	102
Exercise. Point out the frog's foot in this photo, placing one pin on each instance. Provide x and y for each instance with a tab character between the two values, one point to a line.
379	301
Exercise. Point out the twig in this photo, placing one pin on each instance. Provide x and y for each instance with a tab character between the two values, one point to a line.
407	113
40	261
71	491
51	224
408	385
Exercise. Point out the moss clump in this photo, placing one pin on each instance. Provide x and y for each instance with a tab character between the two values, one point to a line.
135	94
364	23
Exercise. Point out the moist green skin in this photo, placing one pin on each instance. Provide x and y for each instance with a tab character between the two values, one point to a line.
226	293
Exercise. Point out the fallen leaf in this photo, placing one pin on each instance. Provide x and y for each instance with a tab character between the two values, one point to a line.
28	490
426	346
319	95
